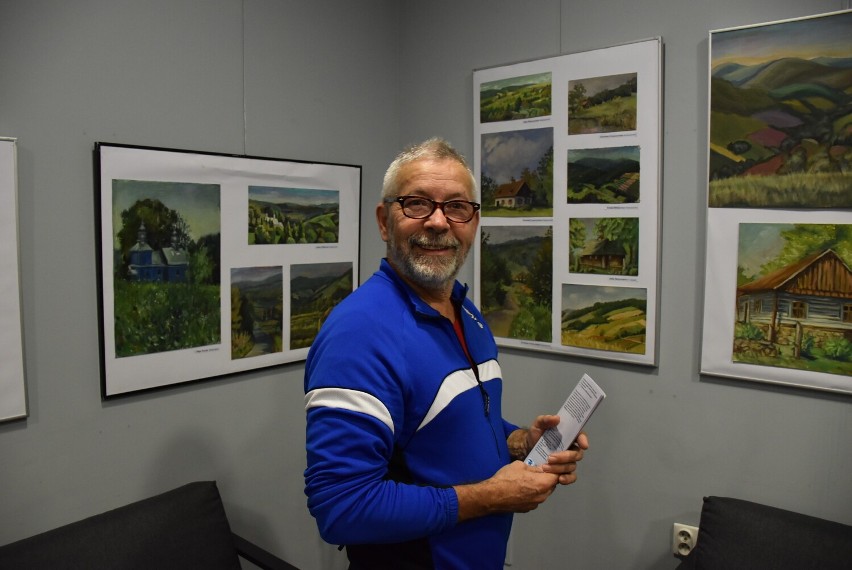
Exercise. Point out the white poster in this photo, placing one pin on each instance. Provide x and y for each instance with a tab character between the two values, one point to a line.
13	401
567	151
778	279
214	264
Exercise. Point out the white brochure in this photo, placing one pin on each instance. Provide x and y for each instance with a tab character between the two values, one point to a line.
573	415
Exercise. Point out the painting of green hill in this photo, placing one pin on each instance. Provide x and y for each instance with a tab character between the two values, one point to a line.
612	319
515	98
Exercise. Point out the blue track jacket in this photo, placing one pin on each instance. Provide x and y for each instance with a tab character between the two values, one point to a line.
395	417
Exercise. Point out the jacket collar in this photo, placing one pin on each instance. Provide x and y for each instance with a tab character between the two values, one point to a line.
420	306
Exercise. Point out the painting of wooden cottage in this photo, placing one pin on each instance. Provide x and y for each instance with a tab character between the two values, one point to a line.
781	114
797	313
515	194
606	246
517	173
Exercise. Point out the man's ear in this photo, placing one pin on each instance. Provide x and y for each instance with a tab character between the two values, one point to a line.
382	220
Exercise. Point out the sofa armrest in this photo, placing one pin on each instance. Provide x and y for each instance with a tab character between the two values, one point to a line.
736	534
258	556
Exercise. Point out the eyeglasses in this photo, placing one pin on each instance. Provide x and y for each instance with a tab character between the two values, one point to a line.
419	207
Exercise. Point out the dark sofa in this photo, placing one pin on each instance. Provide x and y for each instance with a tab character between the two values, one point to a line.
185	529
734	534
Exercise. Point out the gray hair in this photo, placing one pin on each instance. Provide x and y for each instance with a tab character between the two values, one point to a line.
434	148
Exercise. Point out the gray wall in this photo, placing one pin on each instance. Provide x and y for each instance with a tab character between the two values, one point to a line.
349	82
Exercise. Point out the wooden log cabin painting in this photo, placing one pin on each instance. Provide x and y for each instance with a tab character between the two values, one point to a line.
794	297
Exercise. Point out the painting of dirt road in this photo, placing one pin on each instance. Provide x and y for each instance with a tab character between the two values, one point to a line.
516	276
257	311
781	115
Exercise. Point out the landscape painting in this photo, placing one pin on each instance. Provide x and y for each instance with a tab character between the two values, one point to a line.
781	115
516	281
524	97
794	297
257	311
604	104
292	215
603	175
166	264
604	318
315	289
517	173
604	246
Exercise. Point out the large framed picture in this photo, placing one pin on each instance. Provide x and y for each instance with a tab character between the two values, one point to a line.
567	151
778	279
212	264
13	396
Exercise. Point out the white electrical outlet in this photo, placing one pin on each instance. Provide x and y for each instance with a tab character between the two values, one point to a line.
684	539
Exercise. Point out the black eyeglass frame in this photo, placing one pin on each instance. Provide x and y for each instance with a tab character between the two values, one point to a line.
435	205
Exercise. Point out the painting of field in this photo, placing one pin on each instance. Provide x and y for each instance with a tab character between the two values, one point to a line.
603	175
516	277
604	318
517	173
781	115
524	97
315	289
604	246
604	104
794	297
257	311
292	215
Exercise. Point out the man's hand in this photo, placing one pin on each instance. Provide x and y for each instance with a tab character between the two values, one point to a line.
515	488
561	463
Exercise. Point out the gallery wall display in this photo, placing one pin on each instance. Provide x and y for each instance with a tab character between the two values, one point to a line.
567	152
778	284
13	395
213	264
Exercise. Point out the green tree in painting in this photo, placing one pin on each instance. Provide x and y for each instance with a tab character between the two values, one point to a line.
577	239
624	231
576	97
803	240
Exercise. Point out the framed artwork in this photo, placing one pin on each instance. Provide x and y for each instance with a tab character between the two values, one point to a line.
778	284
13	397
567	151
212	264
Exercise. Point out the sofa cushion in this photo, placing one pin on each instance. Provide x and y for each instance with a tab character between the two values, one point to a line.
183	528
735	534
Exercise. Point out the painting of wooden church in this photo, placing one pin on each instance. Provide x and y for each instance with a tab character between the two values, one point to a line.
168	264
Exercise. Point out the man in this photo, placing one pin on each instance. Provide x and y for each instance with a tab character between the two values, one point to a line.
410	463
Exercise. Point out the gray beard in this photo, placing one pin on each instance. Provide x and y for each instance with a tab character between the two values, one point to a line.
426	271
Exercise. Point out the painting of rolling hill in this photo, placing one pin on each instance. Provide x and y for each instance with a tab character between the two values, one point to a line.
315	289
603	175
515	98
781	115
604	318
